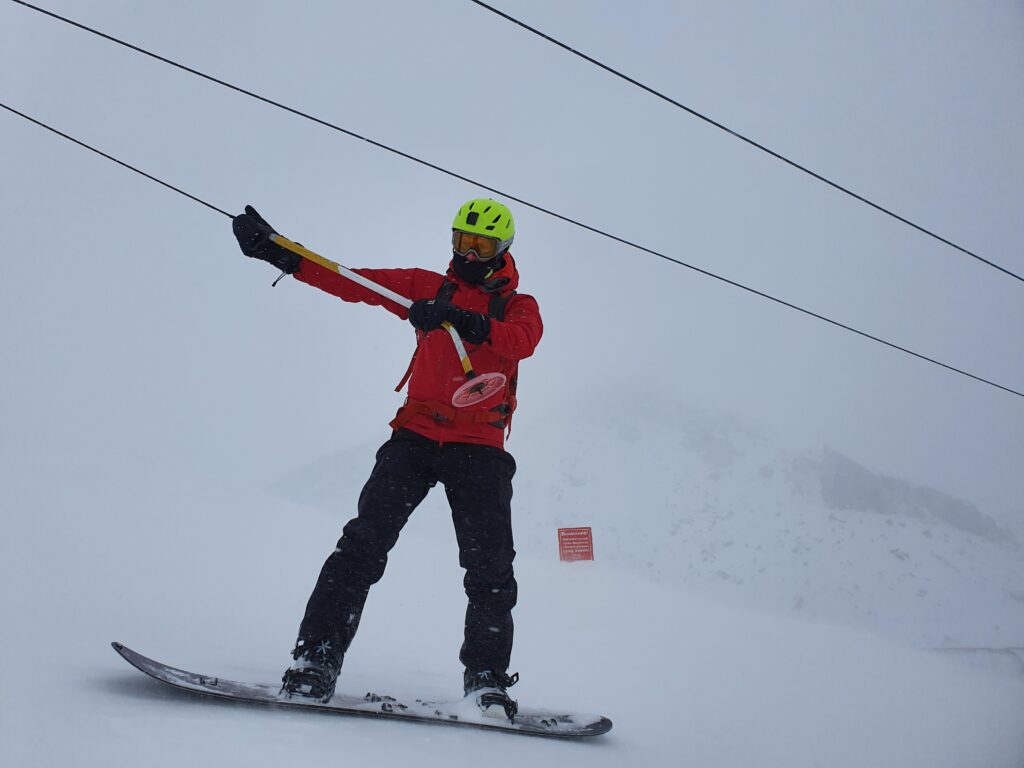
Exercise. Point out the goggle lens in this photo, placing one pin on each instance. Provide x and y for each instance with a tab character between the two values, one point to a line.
474	247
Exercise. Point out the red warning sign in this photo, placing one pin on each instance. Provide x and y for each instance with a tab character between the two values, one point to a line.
575	544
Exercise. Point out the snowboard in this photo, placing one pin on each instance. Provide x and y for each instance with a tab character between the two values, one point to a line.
532	722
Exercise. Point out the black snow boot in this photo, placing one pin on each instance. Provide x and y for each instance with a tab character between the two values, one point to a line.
315	670
489	690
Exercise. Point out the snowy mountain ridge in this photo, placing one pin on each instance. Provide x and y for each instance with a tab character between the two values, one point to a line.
845	485
705	500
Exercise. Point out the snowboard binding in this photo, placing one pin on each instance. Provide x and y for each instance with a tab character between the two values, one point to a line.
314	672
489	689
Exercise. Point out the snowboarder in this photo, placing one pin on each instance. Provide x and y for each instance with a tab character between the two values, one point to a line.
431	442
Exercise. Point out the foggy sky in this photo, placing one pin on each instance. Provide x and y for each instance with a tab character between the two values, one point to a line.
131	325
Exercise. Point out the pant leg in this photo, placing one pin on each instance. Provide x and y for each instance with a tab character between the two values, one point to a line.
405	471
478	483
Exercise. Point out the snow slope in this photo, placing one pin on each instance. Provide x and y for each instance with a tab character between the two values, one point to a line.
683	496
212	578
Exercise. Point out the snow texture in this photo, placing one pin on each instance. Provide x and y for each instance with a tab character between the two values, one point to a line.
693	667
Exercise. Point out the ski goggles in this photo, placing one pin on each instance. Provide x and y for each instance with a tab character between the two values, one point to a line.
474	247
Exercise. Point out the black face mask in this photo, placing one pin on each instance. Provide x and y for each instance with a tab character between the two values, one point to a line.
475	272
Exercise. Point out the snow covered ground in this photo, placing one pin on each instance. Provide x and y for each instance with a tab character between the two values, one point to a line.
694	668
683	496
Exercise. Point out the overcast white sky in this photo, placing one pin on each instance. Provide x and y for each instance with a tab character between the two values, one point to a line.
130	324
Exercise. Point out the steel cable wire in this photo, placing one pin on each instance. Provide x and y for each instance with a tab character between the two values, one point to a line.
743	138
754	291
468	180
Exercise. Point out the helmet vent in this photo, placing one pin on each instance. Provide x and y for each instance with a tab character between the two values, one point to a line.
485	217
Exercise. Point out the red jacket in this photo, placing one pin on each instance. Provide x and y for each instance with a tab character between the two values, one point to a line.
436	371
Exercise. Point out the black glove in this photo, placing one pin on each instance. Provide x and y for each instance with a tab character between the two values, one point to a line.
253	234
428	314
473	327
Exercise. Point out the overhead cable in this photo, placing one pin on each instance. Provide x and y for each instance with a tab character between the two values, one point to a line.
746	139
626	242
114	159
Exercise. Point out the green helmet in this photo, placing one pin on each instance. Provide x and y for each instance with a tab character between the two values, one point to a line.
487	217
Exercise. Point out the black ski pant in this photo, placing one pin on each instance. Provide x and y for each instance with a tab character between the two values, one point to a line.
478	482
